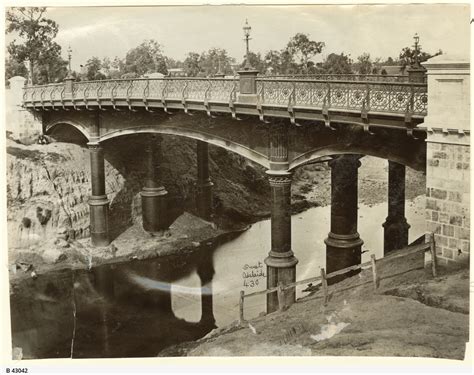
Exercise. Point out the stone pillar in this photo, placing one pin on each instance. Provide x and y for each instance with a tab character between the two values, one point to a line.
448	156
153	194
416	74
248	86
98	202
281	263
343	244
204	184
395	226
68	85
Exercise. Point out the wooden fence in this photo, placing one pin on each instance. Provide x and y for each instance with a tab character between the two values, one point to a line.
323	277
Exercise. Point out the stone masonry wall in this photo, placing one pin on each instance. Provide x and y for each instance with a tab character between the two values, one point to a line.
447	198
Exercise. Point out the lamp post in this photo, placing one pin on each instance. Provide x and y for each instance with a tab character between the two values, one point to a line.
69	56
248	75
417	47
416	72
247	29
69	78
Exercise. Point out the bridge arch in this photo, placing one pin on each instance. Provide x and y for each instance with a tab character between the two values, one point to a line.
239	149
48	128
411	161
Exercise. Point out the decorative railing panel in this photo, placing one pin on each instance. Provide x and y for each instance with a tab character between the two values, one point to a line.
370	96
353	95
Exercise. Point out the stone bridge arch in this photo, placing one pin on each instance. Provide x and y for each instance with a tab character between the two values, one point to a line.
50	127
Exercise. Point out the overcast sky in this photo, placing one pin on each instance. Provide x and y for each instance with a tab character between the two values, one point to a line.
381	30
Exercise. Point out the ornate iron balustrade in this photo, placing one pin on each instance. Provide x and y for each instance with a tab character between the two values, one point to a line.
363	96
347	95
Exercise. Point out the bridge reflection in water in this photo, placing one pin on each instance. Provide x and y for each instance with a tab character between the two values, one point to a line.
114	310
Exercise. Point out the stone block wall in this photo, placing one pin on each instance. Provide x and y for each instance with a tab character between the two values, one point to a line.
448	153
447	196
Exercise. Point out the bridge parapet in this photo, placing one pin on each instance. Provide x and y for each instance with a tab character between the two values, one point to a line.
357	96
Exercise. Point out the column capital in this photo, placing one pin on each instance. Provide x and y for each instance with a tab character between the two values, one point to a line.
279	178
94	145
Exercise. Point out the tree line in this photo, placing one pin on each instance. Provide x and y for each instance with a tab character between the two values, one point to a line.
42	54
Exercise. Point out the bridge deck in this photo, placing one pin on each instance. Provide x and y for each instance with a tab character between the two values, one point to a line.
276	96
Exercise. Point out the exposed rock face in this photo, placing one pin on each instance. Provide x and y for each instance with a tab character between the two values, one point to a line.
48	186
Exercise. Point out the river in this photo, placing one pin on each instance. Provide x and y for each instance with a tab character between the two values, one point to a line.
141	307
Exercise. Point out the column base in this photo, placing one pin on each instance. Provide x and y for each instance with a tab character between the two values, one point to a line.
154	211
395	234
99	226
281	268
342	251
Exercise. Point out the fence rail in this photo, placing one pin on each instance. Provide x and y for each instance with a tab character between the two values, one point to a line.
344	77
314	92
323	277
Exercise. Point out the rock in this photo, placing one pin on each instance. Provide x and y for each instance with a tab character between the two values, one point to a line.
195	244
54	255
33	275
62	243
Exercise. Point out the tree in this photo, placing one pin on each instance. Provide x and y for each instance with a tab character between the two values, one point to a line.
256	62
14	68
145	58
408	57
93	69
337	64
191	64
209	62
303	49
37	34
273	62
364	64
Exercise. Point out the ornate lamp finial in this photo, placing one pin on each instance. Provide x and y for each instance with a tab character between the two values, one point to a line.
417	47
247	29
69	55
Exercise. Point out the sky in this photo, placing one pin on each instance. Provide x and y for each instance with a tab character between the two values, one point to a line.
381	30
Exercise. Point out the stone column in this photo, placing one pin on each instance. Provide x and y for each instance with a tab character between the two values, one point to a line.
98	202
204	184
395	226
343	244
153	194
281	263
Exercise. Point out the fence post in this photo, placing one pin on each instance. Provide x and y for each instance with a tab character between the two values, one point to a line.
324	284
281	297
374	271
241	307
434	260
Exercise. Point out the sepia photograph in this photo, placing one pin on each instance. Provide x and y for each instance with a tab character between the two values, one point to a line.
239	180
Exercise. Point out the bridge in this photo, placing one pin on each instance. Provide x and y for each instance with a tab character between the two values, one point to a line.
280	123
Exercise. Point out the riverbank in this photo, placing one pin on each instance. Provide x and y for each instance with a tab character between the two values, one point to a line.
410	315
48	188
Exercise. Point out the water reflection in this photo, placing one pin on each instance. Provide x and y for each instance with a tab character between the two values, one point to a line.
141	307
121	310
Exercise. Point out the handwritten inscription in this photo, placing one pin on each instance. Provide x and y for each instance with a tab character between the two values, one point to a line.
252	274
